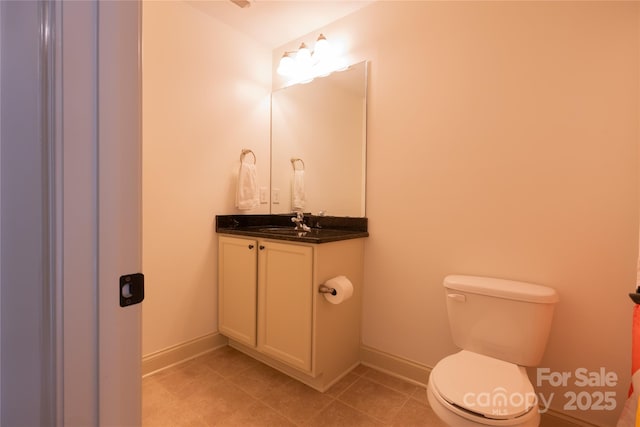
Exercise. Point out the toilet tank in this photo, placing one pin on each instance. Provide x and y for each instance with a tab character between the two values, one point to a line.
504	319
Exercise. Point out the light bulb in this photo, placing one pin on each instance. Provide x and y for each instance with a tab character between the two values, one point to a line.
285	68
321	50
303	57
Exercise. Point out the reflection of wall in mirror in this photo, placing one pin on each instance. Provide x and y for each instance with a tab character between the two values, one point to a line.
327	134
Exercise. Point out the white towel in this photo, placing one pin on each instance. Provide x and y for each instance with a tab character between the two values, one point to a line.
297	191
247	195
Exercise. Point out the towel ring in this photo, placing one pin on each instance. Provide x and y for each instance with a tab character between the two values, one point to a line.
246	151
293	163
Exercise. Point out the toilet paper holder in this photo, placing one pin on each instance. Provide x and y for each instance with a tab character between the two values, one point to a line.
324	289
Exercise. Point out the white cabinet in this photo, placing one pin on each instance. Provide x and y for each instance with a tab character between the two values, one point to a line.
285	293
237	275
270	307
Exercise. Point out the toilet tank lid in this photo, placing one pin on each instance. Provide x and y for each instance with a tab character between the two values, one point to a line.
502	288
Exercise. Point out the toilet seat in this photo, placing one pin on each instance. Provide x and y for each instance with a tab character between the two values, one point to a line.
483	387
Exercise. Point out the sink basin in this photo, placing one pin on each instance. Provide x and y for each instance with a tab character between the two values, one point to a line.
283	230
314	232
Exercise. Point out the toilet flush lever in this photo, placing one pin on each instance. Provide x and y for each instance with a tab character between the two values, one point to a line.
457	297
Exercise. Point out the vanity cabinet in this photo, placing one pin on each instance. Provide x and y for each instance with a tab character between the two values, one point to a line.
270	306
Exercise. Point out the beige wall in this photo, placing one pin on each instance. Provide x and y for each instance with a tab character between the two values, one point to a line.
205	97
502	141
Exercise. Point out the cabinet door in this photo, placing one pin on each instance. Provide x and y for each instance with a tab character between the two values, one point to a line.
285	294
237	281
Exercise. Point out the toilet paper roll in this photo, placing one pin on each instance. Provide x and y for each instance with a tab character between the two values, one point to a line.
343	287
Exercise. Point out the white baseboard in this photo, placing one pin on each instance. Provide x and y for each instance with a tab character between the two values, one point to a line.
179	353
419	374
558	419
395	366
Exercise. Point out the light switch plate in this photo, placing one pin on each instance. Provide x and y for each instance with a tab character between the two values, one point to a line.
264	195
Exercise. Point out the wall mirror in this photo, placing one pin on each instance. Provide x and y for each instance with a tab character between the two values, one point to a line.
319	130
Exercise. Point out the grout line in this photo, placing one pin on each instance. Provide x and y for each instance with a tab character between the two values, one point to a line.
406	397
333	399
353	407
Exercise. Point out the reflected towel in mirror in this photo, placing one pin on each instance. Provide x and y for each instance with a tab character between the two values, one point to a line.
297	192
247	195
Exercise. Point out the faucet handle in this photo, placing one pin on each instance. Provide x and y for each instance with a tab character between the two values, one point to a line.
299	220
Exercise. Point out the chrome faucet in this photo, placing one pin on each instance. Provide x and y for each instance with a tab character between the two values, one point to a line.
299	221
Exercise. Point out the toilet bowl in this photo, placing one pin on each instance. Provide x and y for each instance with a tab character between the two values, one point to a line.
501	326
468	389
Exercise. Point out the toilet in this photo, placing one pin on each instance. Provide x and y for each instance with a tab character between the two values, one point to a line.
501	327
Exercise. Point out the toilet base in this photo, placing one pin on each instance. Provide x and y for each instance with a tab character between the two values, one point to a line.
449	417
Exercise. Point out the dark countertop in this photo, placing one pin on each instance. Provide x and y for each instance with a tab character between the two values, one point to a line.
324	229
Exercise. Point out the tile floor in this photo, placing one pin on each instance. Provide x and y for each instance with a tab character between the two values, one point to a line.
227	388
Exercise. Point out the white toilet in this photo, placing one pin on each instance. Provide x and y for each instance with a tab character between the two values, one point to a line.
501	327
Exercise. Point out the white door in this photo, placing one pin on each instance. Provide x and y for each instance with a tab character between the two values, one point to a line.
99	163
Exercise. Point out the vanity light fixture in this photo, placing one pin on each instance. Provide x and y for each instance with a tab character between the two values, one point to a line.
304	65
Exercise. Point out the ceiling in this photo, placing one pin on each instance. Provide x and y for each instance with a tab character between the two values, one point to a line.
273	23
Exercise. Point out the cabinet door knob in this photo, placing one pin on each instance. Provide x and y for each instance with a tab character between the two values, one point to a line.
250	246
261	247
